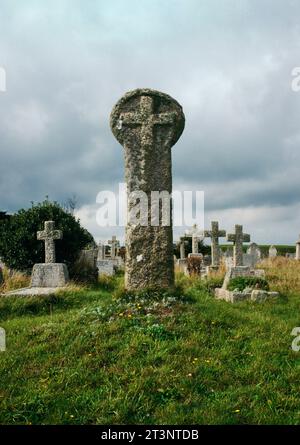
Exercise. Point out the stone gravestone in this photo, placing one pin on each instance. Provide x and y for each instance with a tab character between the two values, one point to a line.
272	252
2	340
298	249
101	252
215	234
253	255
49	274
182	248
106	267
238	238
89	257
148	123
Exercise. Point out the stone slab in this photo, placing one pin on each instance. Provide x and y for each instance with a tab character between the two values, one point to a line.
106	267
255	295
49	275
31	291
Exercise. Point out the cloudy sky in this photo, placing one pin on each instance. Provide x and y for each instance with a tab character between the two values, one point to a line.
228	63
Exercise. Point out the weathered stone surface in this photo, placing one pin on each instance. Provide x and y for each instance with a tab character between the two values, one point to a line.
2	340
49	235
182	248
148	123
272	252
31	291
261	295
101	252
197	235
238	238
106	267
49	275
89	257
246	295
215	234
182	265
115	244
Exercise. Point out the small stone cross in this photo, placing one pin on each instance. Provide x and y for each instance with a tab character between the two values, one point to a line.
114	246
49	235
215	234
238	238
197	235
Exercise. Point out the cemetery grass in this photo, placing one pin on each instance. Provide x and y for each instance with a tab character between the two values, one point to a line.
94	355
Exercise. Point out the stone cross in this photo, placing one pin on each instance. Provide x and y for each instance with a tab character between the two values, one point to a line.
215	234
114	246
197	236
148	123
49	235
298	249
238	238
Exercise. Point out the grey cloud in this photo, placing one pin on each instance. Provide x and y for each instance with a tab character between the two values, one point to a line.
228	63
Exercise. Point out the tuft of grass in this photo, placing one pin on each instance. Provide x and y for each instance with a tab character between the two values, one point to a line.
283	274
14	280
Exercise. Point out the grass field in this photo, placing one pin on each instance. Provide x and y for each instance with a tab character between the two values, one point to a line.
95	355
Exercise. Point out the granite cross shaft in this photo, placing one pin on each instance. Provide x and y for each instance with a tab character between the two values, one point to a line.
49	235
147	123
215	234
238	238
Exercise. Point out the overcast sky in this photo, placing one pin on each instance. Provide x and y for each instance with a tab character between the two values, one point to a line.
227	62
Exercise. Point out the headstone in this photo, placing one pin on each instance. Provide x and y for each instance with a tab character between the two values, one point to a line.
182	248
49	274
106	267
101	252
148	123
238	238
215	234
89	257
2	340
253	255
298	249
272	252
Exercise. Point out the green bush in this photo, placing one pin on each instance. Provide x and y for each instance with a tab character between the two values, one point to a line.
19	247
241	283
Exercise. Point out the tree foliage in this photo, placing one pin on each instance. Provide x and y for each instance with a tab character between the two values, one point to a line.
19	247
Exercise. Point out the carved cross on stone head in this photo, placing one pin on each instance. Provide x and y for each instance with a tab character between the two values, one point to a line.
49	235
147	123
215	234
238	238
